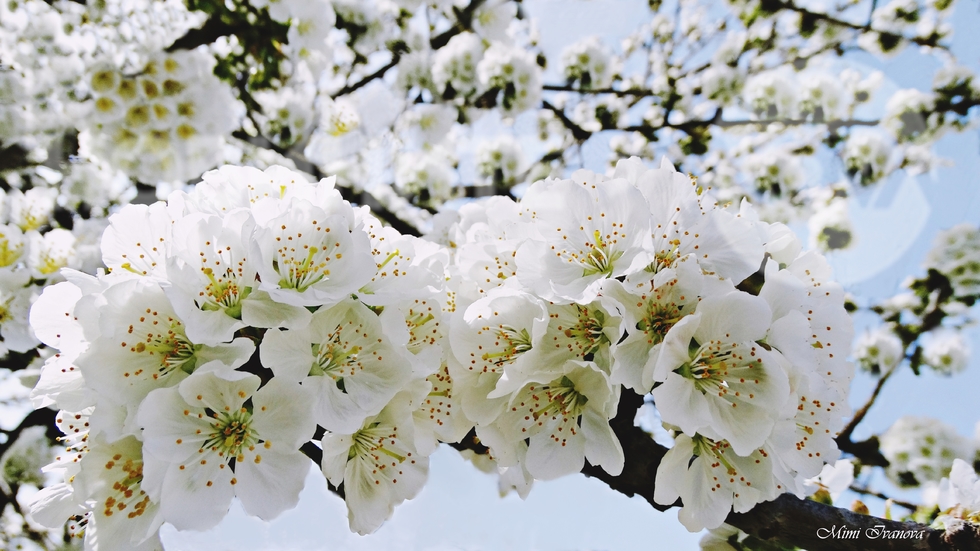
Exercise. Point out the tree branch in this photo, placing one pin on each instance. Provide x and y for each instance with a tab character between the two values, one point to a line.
786	521
463	23
212	29
395	58
820	16
866	492
570	88
861	413
578	132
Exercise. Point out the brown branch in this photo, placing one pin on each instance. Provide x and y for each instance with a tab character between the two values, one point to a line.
786	521
212	29
866	492
570	88
800	523
463	23
395	58
827	18
845	435
579	133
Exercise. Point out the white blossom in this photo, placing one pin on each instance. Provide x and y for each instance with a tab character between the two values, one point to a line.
879	350
921	450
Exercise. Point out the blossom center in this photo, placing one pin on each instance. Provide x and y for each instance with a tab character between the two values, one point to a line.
712	363
588	329
231	433
560	400
516	342
601	256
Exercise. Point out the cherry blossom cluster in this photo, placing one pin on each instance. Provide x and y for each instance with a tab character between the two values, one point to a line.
956	255
164	121
591	284
921	450
46	53
232	323
259	317
36	242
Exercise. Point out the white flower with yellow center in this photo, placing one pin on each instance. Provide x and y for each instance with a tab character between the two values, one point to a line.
346	358
219	436
123	515
652	304
716	376
585	332
712	480
308	255
31	209
13	244
407	267
51	252
493	335
378	463
212	279
564	420
143	345
722	242
947	352
590	230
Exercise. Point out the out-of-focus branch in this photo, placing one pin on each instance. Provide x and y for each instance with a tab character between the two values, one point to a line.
579	133
866	492
845	435
395	58
212	29
43	417
464	20
773	5
569	88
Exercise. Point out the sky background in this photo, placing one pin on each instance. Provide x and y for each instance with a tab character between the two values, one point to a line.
460	508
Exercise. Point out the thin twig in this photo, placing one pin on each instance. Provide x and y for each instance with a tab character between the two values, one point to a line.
861	413
864	491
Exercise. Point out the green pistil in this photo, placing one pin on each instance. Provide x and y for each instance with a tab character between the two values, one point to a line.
390	256
369	442
705	446
9	255
658	321
600	259
518	342
666	258
418	320
330	357
129	268
588	330
231	433
303	276
705	366
181	355
224	295
563	400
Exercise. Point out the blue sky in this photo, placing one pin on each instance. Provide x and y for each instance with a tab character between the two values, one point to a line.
460	508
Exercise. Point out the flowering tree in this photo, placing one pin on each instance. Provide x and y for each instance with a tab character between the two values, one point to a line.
359	255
